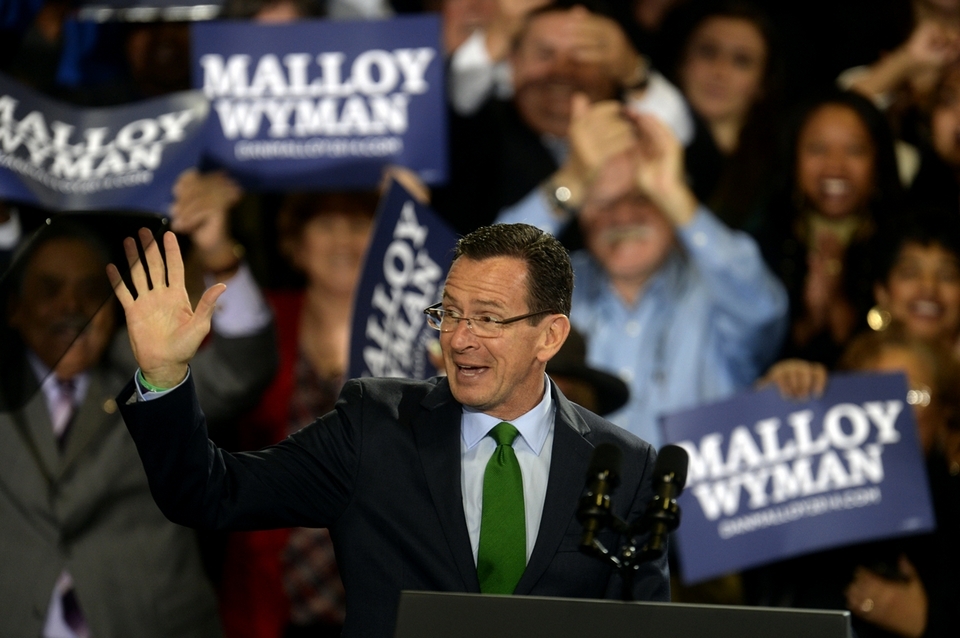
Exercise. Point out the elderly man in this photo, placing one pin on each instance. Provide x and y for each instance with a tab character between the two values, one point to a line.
511	144
83	548
463	483
675	303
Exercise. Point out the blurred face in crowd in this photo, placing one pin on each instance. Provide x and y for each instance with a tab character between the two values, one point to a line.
923	292
723	69
279	12
945	119
64	310
921	378
550	63
501	376
623	230
331	249
835	161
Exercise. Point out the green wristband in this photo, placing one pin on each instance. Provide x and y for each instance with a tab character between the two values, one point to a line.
148	386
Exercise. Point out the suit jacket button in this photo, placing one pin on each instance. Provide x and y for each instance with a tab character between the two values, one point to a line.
110	406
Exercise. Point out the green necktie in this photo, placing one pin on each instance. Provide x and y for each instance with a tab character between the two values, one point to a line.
502	555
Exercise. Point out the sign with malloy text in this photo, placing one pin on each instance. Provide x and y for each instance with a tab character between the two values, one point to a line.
771	478
406	265
315	103
67	158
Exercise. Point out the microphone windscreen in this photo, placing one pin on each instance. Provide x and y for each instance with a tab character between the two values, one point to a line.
672	459
606	458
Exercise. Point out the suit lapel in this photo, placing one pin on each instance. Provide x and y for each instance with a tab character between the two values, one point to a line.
568	467
38	428
89	422
437	433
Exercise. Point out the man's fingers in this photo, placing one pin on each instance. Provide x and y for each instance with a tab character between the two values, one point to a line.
137	273
151	252
579	105
171	247
119	287
208	303
819	380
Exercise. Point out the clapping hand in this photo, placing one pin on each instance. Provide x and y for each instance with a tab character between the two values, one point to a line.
165	331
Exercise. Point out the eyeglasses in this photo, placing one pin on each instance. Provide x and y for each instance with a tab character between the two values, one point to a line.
482	326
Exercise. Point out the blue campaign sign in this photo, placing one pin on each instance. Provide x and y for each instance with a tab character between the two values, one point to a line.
406	265
771	478
314	103
65	158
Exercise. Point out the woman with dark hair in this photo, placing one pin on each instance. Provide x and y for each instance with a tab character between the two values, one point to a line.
938	179
840	182
728	67
916	278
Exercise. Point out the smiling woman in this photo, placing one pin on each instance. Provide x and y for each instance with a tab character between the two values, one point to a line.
841	183
917	282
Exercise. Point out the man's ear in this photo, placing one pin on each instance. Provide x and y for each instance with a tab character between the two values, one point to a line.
553	336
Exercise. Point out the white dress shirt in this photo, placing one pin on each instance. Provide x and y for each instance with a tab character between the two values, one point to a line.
534	449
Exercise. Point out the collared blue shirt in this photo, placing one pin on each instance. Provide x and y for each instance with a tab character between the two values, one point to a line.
708	323
534	449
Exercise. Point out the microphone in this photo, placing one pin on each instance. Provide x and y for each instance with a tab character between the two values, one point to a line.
603	476
663	513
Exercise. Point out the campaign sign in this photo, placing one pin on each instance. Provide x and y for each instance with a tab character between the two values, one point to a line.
66	158
770	478
405	268
314	103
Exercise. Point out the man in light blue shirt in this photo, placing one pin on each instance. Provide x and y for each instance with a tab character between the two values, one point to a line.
671	300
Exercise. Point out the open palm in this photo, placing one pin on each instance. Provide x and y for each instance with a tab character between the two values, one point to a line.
165	331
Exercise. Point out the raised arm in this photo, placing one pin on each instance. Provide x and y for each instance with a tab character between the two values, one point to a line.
165	331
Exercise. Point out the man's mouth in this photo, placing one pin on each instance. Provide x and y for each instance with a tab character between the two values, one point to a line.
633	232
470	371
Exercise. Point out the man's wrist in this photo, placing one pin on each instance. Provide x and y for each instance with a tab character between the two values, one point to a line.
224	261
161	381
678	205
563	195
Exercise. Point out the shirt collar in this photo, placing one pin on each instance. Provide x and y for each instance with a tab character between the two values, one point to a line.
48	380
533	426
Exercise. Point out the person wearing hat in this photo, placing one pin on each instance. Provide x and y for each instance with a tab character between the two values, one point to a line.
594	389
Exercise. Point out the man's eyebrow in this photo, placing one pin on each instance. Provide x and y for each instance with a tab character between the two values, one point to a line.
483	303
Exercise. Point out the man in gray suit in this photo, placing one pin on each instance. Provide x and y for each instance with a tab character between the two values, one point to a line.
401	470
83	548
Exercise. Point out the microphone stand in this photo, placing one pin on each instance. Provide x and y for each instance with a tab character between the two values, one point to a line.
662	516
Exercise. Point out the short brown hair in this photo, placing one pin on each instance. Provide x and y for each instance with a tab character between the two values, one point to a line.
549	272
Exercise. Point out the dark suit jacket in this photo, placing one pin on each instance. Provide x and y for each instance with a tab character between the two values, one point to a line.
382	471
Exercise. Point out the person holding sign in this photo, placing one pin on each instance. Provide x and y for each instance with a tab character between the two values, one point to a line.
675	303
397	471
901	587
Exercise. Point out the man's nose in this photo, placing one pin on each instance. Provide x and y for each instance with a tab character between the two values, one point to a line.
462	336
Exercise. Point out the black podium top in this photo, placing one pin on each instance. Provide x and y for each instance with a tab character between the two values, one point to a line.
445	615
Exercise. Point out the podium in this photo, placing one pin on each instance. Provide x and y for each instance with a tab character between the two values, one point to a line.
448	615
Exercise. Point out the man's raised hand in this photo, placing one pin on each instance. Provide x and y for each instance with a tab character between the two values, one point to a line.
165	331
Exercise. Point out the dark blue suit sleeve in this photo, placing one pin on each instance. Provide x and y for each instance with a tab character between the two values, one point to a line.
306	480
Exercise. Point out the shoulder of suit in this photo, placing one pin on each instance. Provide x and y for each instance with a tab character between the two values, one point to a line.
604	431
392	386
